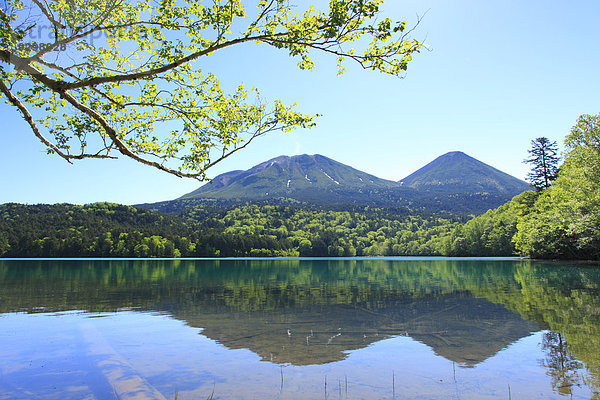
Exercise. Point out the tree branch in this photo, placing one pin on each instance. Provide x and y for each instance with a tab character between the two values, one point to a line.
46	12
213	123
112	134
72	75
27	117
164	68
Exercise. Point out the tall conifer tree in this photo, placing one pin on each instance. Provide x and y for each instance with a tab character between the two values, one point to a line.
543	157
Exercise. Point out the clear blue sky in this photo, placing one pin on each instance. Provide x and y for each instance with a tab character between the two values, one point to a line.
499	74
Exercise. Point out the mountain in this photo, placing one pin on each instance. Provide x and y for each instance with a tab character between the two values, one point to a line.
458	172
454	182
303	177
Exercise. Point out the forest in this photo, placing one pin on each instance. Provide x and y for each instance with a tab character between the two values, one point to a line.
560	219
295	229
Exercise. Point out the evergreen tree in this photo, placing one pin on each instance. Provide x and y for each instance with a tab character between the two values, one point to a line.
543	157
565	220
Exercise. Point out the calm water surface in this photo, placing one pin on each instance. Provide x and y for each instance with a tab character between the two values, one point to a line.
308	329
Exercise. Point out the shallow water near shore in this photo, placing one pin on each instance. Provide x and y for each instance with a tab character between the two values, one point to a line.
418	328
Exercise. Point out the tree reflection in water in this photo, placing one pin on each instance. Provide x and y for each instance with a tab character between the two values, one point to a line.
465	310
562	366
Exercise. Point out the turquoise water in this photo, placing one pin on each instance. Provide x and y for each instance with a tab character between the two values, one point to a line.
317	328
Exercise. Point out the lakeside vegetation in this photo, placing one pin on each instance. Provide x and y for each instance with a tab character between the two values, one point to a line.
295	229
559	220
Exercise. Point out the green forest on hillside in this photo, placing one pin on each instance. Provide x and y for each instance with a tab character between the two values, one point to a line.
561	221
296	229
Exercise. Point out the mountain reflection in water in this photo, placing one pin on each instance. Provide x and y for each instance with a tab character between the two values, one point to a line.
310	311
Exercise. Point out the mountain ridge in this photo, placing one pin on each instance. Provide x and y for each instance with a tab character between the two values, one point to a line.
451	182
283	175
456	169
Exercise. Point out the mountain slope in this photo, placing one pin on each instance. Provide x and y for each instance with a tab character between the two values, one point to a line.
302	177
454	182
457	172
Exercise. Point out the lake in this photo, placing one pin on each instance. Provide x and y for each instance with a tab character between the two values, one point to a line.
380	328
